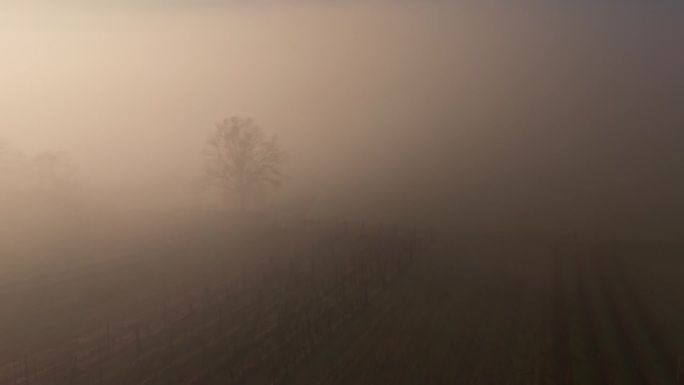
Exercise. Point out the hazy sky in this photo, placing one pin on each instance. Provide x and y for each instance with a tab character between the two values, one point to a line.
98	83
520	111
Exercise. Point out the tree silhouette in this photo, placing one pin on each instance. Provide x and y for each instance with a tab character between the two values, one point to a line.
48	176
242	160
4	166
15	175
53	173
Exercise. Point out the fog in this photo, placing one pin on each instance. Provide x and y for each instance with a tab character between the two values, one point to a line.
473	117
341	192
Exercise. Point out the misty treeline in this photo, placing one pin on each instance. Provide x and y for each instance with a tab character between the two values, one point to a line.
242	163
45	177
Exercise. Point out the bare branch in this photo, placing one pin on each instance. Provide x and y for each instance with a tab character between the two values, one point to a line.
241	159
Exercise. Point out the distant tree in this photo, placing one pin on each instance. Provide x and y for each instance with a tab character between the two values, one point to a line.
49	175
4	148
243	162
53	174
4	156
13	170
4	166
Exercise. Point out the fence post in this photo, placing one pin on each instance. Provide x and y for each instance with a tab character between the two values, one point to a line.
107	336
166	314
137	338
26	371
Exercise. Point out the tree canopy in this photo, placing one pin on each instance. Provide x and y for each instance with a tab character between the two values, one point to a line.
242	160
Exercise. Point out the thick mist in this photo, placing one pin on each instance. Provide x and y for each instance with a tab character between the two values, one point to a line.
553	119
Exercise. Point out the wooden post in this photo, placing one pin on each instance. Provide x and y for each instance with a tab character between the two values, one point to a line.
26	371
137	338
679	367
166	314
207	292
345	298
309	326
108	336
74	363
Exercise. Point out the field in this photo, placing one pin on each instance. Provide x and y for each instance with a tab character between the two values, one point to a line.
195	304
340	303
499	311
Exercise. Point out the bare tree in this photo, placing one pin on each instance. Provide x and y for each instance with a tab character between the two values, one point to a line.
49	176
4	156
15	175
53	173
4	166
242	160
